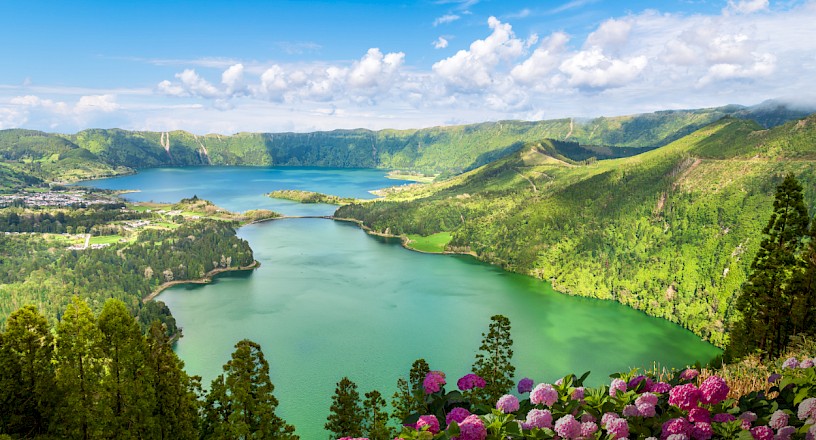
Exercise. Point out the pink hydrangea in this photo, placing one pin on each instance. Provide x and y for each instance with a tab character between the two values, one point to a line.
807	410
539	418
587	417
702	431
507	404
429	421
646	410
713	390
778	419
762	433
748	419
616	385
689	374
677	437
456	415
790	362
607	417
699	415
525	385
567	427
433	381
684	396
472	428
676	426
785	433
618	428
811	434
577	394
470	381
806	363
588	428
635	381
660	388
723	418
630	411
545	394
646	398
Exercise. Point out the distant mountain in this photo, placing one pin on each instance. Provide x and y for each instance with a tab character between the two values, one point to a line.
671	231
448	150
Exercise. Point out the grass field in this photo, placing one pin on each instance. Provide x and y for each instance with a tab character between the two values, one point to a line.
106	239
434	243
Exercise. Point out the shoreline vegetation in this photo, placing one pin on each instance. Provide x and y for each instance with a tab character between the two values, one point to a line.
404	239
206	279
302	196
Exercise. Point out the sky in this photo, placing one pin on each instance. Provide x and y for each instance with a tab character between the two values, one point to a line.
272	66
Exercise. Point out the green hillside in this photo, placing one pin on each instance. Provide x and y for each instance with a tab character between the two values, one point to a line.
671	231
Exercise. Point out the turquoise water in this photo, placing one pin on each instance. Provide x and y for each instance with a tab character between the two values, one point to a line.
330	301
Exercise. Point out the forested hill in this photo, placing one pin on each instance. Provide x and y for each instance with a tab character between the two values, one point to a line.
453	149
671	231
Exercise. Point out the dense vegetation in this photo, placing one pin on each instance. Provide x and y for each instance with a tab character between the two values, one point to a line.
671	231
99	377
68	221
300	196
40	270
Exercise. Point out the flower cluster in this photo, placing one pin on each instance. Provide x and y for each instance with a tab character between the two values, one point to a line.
470	381
433	382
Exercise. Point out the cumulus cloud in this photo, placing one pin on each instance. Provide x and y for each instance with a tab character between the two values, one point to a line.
611	34
233	78
445	19
745	6
102	103
594	70
440	43
544	60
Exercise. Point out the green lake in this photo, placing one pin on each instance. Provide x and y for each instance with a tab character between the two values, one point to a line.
330	301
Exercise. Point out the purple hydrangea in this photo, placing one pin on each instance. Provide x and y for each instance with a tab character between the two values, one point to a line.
588	428
689	374
567	427
633	384
433	381
685	396
747	418
774	378
587	417
429	421
456	415
723	418
472	428
806	363
699	415
507	404
790	363
630	411
544	393
713	390
676	426
660	388
470	381
617	384
807	410
525	385
778	419
785	433
762	433
539	418
702	431
577	394
618	428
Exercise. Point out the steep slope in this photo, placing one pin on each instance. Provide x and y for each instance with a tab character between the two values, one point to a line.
671	231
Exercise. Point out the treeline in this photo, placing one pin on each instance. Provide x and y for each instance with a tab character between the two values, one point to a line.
99	377
71	221
34	270
671	232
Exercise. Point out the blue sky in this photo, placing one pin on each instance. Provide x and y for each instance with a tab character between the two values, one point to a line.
300	65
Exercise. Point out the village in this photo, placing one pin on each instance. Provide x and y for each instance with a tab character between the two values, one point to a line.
75	198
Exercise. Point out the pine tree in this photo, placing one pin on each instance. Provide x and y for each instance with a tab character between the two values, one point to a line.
375	417
401	401
803	314
345	415
766	301
410	395
79	372
493	361
28	377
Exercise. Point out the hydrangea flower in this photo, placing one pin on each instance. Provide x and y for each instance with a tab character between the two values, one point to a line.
676	426
762	433
525	385
684	396
470	381
633	384
607	417
702	431
646	398
588	428
456	415
677	437
630	411
544	393
472	428
713	390
433	381
689	374
618	428
660	388
747	418
577	394
507	404
774	378
807	410
723	418
646	410
617	384
806	363
790	362
778	419
699	415
587	417
539	418
429	421
785	433
567	427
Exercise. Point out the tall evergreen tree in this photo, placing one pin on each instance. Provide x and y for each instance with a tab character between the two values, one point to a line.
345	415
493	361
241	404
127	392
401	401
766	298
27	352
410	395
803	313
375	417
79	372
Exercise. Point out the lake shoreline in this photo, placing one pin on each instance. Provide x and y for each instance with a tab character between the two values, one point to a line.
404	240
206	279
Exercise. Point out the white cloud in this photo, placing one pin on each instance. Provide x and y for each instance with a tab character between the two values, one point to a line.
233	78
534	70
763	66
32	101
273	84
440	43
611	34
12	118
594	70
375	72
102	103
445	19
746	6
